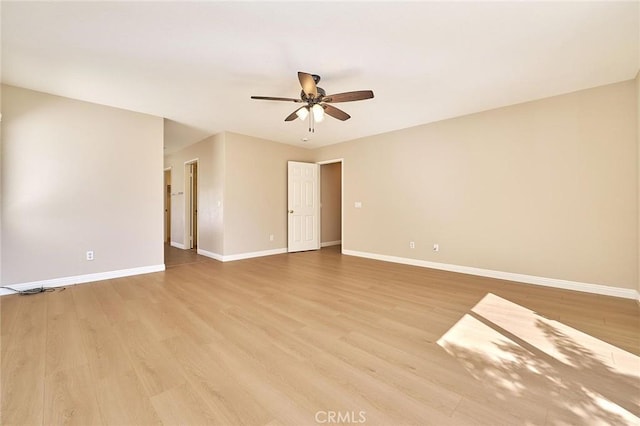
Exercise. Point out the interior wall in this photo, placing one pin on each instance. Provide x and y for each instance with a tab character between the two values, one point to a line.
546	188
211	169
331	202
256	193
78	176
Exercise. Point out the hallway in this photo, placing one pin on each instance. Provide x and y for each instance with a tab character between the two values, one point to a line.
174	256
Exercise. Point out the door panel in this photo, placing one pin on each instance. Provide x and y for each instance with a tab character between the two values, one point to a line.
303	206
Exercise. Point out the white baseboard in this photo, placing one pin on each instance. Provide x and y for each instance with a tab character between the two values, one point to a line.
178	245
331	243
605	290
80	279
250	255
211	254
240	256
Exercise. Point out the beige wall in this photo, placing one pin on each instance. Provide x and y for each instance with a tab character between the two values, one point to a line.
330	199
78	176
211	169
546	188
256	193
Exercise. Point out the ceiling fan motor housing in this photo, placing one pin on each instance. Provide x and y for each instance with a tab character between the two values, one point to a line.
321	94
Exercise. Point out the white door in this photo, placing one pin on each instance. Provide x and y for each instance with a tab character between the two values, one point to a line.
303	206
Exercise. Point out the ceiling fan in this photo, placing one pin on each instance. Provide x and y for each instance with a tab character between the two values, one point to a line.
317	101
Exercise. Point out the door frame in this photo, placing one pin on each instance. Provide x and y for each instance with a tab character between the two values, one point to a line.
321	163
167	205
190	241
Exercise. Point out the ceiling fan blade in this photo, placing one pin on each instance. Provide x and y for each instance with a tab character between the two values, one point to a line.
293	115
358	95
308	84
336	113
270	98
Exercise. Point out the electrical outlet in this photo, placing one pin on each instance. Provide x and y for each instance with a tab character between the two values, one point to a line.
271	237
436	247
90	255
412	244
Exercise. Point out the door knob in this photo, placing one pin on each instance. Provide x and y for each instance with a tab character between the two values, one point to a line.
290	211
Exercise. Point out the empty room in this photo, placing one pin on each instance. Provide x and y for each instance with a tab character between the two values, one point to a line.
316	213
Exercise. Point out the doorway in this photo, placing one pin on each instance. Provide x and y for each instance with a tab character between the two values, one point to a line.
191	216
167	206
331	178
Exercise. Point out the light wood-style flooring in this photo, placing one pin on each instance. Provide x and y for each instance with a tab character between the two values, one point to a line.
317	338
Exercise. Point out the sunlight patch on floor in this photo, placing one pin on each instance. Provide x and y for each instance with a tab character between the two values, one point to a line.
522	356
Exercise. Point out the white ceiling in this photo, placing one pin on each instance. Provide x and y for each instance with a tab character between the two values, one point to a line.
198	63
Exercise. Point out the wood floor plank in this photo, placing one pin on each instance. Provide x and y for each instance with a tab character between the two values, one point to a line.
295	338
182	406
114	307
154	366
8	314
331	395
65	348
22	368
88	306
212	380
104	350
418	396
123	400
135	289
70	398
474	412
284	407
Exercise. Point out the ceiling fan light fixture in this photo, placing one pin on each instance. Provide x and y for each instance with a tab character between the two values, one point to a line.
318	112
302	113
